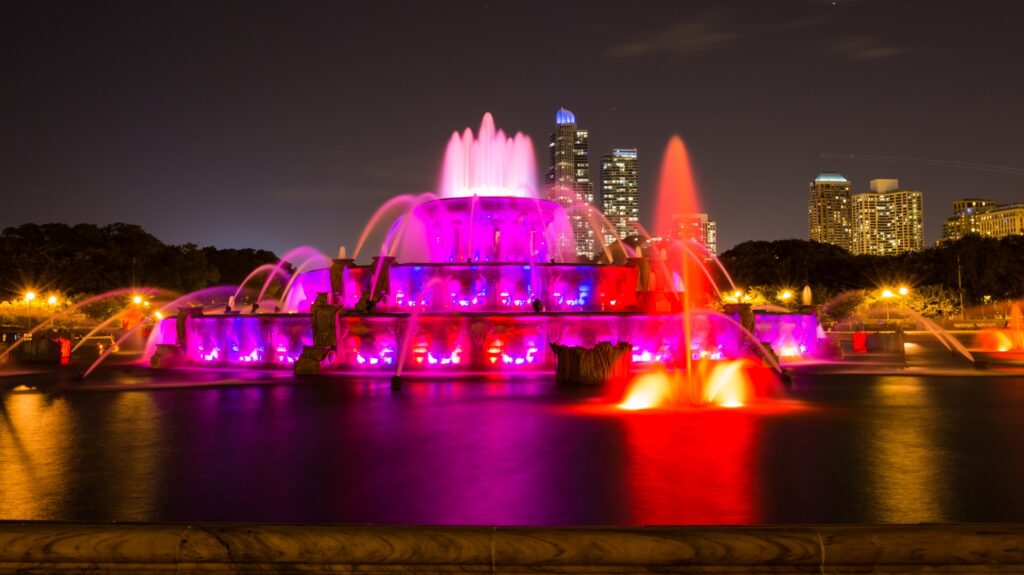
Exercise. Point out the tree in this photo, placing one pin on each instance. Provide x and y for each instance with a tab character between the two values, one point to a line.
90	259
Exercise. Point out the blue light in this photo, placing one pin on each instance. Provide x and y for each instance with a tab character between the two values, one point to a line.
624	152
563	117
830	177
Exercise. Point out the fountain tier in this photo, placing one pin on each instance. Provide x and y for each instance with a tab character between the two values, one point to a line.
485	229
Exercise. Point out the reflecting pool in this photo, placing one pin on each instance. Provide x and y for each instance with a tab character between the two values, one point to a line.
144	445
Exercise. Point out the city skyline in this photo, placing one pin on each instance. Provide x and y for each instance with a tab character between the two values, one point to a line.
260	125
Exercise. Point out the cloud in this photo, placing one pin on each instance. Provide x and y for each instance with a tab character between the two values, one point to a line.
679	39
866	48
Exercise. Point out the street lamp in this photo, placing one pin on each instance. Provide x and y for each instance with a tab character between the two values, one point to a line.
30	296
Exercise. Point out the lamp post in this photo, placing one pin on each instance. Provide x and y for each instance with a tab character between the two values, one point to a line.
887	295
903	291
29	299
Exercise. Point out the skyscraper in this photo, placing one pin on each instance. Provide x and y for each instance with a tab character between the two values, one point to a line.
888	220
568	179
696	227
620	191
828	210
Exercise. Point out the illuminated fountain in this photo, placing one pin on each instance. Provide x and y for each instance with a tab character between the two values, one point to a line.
1003	346
481	278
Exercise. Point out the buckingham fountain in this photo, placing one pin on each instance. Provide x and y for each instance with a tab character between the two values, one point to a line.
481	278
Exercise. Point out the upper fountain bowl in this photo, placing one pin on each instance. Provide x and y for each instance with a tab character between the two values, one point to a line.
487	229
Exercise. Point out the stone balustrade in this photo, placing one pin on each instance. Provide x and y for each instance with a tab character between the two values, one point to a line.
32	547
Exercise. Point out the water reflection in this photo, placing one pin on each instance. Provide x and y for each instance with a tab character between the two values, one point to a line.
133	474
692	467
906	479
866	449
33	475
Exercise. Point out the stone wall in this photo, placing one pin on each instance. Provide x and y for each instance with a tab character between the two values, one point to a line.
165	548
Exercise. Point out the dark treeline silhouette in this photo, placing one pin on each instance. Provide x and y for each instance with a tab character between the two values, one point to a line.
89	259
987	267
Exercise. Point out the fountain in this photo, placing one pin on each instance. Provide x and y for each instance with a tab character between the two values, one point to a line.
1003	346
477	279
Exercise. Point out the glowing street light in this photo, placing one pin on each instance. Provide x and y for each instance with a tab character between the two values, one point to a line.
904	291
52	300
786	295
137	300
30	296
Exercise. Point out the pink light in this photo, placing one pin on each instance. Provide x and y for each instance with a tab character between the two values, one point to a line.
488	164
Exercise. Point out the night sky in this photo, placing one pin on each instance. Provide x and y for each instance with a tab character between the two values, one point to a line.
277	124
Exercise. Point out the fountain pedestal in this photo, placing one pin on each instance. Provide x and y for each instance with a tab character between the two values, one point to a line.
338	269
167	355
592	366
744	313
325	338
643	277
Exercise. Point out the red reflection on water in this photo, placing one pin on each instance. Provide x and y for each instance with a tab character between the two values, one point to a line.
694	467
689	465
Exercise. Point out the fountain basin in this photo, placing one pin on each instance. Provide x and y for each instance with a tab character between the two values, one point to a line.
441	341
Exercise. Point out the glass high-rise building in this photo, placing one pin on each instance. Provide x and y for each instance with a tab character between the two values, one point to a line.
620	192
887	220
568	180
696	227
828	210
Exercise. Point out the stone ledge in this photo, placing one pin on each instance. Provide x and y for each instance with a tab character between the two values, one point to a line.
36	547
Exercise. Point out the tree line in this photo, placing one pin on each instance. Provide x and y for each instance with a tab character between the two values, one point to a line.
984	269
90	259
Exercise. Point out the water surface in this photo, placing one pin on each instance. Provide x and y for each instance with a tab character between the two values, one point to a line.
842	448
